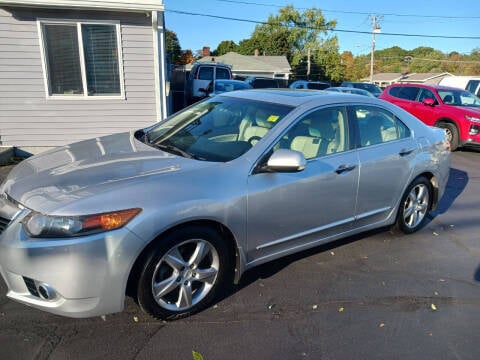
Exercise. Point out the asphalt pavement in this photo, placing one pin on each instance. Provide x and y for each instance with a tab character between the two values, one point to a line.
373	296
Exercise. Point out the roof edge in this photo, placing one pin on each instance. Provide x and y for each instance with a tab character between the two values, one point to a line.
122	5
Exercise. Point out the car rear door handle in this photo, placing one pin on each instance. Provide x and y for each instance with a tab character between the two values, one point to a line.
405	152
344	168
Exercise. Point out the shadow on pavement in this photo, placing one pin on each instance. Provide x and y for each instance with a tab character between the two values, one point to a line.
457	182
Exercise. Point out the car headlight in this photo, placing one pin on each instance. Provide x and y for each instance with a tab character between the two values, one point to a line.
40	225
472	118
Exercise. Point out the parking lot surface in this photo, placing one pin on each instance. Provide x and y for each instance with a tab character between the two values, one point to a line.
373	296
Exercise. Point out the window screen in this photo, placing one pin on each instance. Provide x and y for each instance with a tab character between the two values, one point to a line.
63	59
101	59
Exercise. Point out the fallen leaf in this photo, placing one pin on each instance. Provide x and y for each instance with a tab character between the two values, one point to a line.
315	307
433	307
341	309
332	253
135	318
196	355
381	325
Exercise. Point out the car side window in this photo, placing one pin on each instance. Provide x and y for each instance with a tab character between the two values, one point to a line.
222	73
319	133
426	94
377	126
205	73
404	92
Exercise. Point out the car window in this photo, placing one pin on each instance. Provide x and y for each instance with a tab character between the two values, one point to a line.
426	94
205	73
219	129
319	133
459	98
222	73
376	125
317	86
404	92
472	85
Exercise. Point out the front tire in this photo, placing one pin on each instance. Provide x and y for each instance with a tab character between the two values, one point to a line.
414	206
452	134
184	273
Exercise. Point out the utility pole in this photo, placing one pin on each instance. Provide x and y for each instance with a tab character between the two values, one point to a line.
375	30
308	64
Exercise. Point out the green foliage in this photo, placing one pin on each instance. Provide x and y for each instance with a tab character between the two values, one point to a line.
225	47
172	45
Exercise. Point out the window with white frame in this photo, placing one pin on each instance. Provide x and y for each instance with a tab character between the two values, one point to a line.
82	59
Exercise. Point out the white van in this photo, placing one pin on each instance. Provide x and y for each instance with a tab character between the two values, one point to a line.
202	75
469	83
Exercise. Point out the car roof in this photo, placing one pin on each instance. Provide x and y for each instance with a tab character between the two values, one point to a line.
427	86
296	97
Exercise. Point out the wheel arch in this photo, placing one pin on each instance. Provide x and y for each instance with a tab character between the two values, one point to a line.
224	231
434	182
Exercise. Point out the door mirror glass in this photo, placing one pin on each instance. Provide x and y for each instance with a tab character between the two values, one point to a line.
428	102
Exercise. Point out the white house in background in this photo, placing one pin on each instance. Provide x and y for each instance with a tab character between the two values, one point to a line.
72	70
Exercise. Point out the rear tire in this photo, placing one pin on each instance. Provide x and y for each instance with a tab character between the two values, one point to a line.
452	134
414	207
184	274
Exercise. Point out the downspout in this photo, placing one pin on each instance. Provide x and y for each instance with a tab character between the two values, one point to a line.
158	28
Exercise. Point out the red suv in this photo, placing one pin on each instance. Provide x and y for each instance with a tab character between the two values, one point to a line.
455	110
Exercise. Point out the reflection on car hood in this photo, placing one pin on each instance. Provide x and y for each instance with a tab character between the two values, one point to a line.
65	174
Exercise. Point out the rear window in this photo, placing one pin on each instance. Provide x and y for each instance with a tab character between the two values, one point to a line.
222	73
406	93
317	86
264	83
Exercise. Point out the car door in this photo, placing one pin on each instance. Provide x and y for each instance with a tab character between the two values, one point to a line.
386	148
203	79
429	114
289	211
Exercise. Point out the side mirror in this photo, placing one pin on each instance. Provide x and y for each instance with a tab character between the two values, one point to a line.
285	160
428	102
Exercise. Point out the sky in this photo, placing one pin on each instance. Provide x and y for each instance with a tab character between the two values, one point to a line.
438	19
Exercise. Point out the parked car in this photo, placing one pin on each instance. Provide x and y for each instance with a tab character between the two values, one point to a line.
469	83
172	213
222	86
262	83
457	111
304	84
372	88
350	90
201	75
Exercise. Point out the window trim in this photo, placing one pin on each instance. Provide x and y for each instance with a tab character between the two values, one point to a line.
81	54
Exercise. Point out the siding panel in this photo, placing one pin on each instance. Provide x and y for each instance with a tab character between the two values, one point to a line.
29	118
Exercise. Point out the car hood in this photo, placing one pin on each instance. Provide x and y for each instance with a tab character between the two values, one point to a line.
474	109
55	178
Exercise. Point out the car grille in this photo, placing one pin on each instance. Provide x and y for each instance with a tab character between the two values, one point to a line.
3	224
32	288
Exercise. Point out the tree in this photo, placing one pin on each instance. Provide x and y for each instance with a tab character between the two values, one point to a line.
292	33
172	47
225	47
186	57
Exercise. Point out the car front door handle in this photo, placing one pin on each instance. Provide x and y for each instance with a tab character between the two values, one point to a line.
405	152
344	168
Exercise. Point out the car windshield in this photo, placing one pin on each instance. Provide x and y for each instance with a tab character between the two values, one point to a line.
459	98
374	89
219	129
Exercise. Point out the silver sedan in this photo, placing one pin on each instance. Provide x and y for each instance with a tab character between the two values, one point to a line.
174	213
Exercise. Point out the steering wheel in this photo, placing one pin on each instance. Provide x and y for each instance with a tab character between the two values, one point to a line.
254	139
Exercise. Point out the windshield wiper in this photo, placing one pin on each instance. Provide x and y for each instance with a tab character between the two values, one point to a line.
175	150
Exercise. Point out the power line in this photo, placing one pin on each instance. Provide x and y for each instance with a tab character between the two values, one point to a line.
328	29
356	12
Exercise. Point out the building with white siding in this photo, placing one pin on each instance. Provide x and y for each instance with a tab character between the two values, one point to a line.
72	70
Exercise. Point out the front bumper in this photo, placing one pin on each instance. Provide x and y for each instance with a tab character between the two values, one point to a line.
88	275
